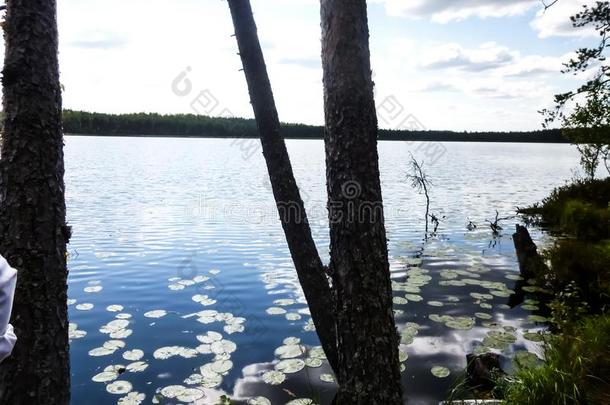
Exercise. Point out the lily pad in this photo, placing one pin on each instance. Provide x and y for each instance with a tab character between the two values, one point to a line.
440	372
274	377
119	387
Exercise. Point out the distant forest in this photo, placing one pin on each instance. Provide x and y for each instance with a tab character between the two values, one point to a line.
190	125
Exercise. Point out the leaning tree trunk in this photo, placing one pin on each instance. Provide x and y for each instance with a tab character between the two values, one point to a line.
369	369
293	217
33	231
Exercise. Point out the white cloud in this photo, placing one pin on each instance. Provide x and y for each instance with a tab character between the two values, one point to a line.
555	21
443	11
452	55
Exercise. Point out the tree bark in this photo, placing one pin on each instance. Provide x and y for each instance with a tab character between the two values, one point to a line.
369	370
33	230
307	262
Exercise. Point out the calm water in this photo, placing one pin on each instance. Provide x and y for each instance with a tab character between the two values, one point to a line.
181	226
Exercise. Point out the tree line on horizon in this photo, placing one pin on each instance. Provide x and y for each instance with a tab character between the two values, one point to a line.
191	125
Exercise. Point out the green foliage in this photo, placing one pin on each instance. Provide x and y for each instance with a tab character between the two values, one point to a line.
585	221
587	123
191	125
576	369
585	265
594	194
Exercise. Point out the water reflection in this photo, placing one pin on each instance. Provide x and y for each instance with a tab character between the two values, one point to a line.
139	246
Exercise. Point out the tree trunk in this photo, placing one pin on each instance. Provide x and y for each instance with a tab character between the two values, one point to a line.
367	339
293	217
33	230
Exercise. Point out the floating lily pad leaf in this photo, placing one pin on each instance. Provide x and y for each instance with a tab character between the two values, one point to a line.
293	316
236	320
114	308
117	368
440	372
290	366
204	300
194	379
259	401
105	376
210	337
402	356
502	293
133	398
223	346
515	277
159	313
435	303
317	352
461	323
452	298
479	296
166	352
74	333
290	351
537	319
190	395
71	301
186	283
525	359
114	326
93	289
309	326
221	366
137	366
204	349
504	306
414	297
533	337
448	274
480	349
399	301
119	387
485	305
483	315
313	362
175	287
114	344
529	307
200	279
284	302
84	307
123	316
402	367
328	378
172	391
292	340
214	271
101	351
276	311
121	334
301	401
233	328
206	320
211	379
274	377
188	353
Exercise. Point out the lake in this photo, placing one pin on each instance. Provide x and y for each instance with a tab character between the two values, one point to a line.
181	284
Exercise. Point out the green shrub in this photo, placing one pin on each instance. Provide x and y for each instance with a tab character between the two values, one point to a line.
585	221
576	369
586	265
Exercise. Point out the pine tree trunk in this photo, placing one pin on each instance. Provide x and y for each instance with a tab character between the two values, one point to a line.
290	206
33	231
367	339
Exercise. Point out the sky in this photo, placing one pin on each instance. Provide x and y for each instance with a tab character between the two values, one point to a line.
463	65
